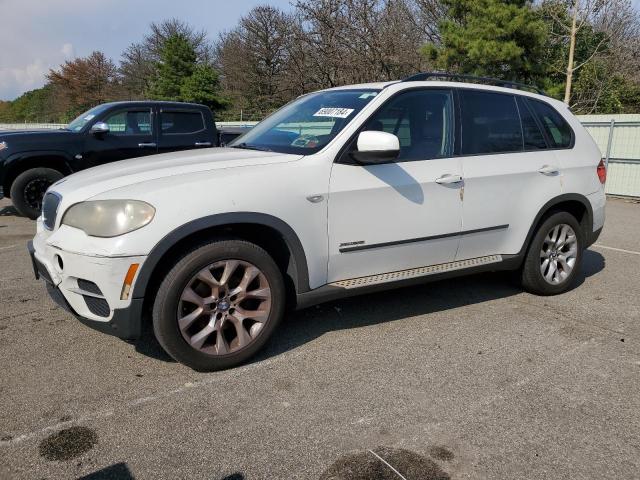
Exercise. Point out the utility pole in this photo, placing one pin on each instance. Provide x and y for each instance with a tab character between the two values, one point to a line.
572	48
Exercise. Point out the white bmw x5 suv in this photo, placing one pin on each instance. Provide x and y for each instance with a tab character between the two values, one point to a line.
340	192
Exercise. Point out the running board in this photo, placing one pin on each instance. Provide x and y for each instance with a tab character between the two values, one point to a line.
416	272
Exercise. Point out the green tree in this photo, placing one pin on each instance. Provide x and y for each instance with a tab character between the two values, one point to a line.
177	63
497	38
202	87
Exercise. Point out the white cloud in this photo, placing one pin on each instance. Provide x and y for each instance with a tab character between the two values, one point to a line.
16	80
68	51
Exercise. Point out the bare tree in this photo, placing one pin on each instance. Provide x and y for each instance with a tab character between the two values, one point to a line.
614	19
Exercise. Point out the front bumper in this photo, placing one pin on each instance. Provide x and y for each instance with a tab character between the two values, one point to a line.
122	318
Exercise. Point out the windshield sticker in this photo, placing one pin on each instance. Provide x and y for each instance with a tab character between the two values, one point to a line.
368	95
89	117
333	112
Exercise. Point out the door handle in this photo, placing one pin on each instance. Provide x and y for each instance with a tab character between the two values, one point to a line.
548	170
203	144
144	145
447	179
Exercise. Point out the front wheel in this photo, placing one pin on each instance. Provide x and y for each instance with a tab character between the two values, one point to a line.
555	255
27	190
218	305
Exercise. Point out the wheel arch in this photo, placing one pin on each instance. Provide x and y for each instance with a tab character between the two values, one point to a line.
576	204
267	231
16	165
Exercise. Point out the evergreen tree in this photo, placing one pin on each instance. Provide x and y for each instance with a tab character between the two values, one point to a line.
177	63
201	87
496	38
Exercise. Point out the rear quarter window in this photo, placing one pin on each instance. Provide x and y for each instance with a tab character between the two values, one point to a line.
555	126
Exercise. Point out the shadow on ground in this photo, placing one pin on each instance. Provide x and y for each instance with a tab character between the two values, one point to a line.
304	326
9	211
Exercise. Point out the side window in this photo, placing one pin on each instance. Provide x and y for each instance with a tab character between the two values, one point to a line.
181	122
423	122
557	128
490	123
130	122
533	137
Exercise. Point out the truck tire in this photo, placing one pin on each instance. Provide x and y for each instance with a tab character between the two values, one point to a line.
219	304
555	255
27	190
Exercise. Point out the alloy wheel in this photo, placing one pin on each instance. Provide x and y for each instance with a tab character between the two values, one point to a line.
559	254
224	307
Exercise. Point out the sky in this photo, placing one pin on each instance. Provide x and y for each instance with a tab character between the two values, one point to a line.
37	35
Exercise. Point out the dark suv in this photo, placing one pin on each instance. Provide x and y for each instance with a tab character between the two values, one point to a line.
32	160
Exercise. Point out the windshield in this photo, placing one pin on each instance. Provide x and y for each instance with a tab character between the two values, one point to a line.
307	124
85	118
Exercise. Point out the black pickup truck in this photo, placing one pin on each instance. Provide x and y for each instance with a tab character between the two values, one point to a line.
32	160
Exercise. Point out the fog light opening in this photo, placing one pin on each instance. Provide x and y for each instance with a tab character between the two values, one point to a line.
128	281
59	263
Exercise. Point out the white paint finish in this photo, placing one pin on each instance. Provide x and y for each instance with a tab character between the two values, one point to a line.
374	141
374	204
503	189
387	203
598	202
579	163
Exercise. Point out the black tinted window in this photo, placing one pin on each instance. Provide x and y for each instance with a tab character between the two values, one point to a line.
490	123
533	138
558	130
181	122
423	122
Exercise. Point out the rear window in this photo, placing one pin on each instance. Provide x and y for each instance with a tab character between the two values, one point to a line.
556	127
181	122
490	123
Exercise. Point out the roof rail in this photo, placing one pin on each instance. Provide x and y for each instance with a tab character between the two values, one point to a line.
418	77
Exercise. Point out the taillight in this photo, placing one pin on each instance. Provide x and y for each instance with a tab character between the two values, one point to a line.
602	171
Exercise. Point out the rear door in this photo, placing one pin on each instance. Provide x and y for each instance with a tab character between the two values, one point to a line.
131	134
183	129
509	172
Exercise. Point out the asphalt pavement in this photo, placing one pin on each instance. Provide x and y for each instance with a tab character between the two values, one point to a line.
465	378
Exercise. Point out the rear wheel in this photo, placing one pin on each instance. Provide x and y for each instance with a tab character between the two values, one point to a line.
555	255
27	190
218	305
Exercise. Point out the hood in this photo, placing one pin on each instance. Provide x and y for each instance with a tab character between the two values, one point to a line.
33	131
94	181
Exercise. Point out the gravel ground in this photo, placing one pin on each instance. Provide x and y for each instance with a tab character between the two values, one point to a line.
467	378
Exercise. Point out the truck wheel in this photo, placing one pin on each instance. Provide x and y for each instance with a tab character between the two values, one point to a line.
218	305
555	255
28	190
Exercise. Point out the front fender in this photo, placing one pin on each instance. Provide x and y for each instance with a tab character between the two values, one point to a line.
298	268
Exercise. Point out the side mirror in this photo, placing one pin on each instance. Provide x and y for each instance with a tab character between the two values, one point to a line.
99	127
376	147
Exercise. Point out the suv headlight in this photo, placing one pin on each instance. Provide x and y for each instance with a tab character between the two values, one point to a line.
109	218
3	145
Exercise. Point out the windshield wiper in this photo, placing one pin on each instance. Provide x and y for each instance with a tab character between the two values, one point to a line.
247	146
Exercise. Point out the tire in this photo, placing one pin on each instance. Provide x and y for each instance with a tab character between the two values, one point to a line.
27	190
543	247
219	322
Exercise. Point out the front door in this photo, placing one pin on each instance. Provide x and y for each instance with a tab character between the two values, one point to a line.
405	214
130	135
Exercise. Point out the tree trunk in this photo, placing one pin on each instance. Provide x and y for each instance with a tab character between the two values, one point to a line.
572	47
